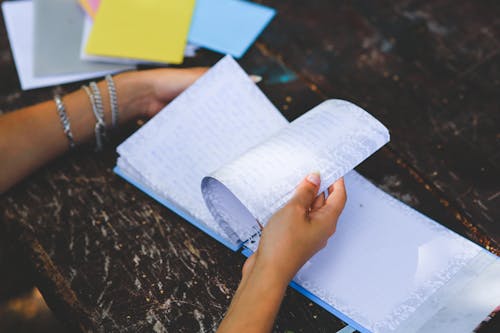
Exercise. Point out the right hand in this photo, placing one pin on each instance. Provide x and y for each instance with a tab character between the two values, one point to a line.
299	230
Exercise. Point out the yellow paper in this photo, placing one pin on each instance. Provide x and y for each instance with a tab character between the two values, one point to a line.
151	30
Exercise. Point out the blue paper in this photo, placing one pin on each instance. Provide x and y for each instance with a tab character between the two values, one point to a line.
228	26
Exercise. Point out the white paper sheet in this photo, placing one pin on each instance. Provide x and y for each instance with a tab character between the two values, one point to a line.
18	17
218	118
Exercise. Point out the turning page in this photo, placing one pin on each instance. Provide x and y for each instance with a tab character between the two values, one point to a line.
332	138
218	118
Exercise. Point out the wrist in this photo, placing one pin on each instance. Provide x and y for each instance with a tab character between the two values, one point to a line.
273	274
134	94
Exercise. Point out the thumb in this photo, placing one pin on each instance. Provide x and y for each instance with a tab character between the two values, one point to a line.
307	190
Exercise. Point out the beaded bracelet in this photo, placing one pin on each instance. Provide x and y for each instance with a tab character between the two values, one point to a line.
63	116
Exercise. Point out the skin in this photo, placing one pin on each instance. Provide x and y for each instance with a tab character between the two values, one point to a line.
32	136
292	236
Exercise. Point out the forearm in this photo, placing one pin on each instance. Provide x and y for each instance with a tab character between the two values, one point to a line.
256	302
32	136
293	235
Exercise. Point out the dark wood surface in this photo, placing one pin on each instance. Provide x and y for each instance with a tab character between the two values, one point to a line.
109	258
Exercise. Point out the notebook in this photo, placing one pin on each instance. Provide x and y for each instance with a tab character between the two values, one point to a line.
222	156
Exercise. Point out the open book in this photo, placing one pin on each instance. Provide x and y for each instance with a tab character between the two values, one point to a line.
222	156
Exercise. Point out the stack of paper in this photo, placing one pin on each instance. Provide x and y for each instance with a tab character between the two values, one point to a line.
159	30
33	73
62	41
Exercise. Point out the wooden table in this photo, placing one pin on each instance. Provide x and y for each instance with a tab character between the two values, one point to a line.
109	258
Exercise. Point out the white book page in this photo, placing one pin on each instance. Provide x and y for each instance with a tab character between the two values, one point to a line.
332	138
218	118
384	260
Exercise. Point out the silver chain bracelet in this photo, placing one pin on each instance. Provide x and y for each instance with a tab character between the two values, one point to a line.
63	116
100	126
113	100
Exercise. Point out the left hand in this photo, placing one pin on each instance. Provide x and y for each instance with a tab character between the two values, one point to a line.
145	93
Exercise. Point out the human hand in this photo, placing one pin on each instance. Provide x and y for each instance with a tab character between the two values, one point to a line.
299	230
293	235
145	93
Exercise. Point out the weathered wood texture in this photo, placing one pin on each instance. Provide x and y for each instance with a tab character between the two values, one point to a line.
109	258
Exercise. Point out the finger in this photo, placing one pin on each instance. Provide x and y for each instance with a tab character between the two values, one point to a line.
306	192
196	72
184	77
330	189
318	202
255	78
170	82
336	201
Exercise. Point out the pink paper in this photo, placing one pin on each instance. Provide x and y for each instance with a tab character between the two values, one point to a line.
94	4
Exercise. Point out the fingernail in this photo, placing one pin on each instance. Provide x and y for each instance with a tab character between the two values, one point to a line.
314	178
255	78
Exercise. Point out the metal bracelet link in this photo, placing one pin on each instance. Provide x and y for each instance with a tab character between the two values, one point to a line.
100	126
63	116
113	100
